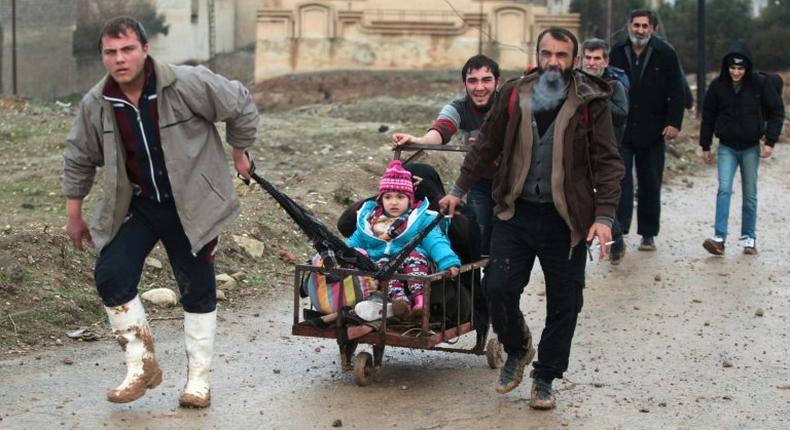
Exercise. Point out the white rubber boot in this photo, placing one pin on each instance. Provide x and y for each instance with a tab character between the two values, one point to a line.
199	331
130	327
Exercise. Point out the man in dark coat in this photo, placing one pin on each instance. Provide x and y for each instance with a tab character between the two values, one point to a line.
656	103
737	105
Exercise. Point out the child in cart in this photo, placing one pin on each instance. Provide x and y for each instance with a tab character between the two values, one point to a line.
385	225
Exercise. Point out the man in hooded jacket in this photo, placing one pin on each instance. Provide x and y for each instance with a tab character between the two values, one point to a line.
738	104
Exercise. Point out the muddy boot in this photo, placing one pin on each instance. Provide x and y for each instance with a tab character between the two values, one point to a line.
130	327
512	372
541	396
199	330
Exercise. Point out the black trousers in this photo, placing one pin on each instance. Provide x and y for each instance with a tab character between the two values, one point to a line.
536	231
120	263
649	161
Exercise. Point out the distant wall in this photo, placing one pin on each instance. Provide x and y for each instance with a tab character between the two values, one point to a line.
299	36
46	68
187	38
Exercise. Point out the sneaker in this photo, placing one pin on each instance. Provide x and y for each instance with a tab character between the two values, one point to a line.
748	245
513	371
714	245
372	310
648	244
541	396
617	252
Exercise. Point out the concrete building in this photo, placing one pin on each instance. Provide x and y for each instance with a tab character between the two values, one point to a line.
50	66
45	66
189	37
299	36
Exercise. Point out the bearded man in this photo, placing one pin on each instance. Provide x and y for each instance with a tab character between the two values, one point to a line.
556	188
656	102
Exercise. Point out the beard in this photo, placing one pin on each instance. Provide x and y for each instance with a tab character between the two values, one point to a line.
595	72
638	41
551	89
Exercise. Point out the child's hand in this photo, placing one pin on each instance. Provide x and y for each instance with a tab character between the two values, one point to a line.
453	272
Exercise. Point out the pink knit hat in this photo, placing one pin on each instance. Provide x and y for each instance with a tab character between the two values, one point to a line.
396	179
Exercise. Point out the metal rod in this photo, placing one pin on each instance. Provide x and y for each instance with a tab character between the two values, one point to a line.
297	286
446	148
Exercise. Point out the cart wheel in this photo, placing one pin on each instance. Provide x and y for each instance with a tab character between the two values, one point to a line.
363	367
494	353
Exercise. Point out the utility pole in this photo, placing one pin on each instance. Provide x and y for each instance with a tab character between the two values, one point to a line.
212	31
609	22
13	47
480	31
700	55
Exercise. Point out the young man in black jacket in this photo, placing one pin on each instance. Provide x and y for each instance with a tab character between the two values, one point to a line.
737	105
655	113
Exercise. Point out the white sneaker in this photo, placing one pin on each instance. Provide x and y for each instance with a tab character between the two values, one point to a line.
371	310
749	245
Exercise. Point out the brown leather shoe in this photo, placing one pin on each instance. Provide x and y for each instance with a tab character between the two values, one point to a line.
714	245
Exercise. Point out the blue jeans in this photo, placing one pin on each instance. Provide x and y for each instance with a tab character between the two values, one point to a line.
728	159
481	202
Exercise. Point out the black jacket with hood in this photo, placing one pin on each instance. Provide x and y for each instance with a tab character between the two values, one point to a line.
738	118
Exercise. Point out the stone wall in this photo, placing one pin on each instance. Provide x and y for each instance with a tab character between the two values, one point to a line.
300	36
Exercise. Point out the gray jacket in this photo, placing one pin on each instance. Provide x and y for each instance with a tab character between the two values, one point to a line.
618	104
190	100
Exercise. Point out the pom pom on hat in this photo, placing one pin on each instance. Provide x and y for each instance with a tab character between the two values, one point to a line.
396	179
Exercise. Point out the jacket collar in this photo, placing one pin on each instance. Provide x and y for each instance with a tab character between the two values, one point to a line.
370	205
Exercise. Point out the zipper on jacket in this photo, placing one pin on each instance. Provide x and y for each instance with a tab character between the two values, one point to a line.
145	143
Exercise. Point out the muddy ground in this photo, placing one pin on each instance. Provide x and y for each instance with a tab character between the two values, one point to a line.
675	339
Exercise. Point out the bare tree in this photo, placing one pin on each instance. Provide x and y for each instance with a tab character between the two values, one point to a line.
92	14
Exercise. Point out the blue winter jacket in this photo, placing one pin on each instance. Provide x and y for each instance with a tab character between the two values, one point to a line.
434	246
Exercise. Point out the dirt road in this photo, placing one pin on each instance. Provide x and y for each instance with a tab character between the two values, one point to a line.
671	339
